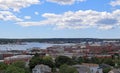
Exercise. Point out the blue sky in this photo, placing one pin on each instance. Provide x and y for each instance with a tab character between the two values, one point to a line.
59	18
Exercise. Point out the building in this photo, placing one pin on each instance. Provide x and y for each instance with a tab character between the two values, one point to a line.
82	69
114	71
94	68
41	69
88	68
12	59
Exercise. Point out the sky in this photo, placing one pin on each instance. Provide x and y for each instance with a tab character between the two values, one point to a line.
59	18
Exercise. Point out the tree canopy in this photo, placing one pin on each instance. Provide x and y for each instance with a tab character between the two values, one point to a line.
13	69
19	64
60	60
3	66
47	60
67	69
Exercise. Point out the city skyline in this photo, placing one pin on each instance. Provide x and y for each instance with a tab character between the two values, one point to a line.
60	19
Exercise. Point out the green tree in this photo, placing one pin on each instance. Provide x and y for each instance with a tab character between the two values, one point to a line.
19	64
27	70
47	60
80	60
60	60
3	66
109	61
106	70
87	60
34	61
13	69
95	60
67	69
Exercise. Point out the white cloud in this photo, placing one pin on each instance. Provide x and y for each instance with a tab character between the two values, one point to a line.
79	19
27	17
16	5
106	27
8	16
33	23
7	7
115	3
36	13
65	2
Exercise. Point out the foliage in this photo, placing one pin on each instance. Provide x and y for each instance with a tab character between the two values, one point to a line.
27	70
47	60
13	69
54	70
96	60
67	69
80	60
19	64
34	61
106	70
16	67
109	61
3	66
60	60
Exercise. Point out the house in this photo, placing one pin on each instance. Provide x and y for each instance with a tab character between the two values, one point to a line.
94	68
12	59
41	69
114	71
88	68
82	69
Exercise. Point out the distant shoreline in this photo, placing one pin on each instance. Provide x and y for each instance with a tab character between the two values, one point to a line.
55	40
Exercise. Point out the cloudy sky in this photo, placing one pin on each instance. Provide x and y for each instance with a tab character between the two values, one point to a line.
59	18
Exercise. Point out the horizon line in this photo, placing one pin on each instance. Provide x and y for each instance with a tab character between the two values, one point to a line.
60	38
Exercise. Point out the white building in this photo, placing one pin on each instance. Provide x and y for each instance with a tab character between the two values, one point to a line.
41	69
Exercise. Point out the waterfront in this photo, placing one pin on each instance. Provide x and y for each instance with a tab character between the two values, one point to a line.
27	45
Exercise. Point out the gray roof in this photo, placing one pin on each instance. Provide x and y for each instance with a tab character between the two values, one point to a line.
44	68
82	69
115	71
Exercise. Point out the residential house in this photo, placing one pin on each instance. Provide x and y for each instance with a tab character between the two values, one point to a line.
41	69
114	71
94	68
82	69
